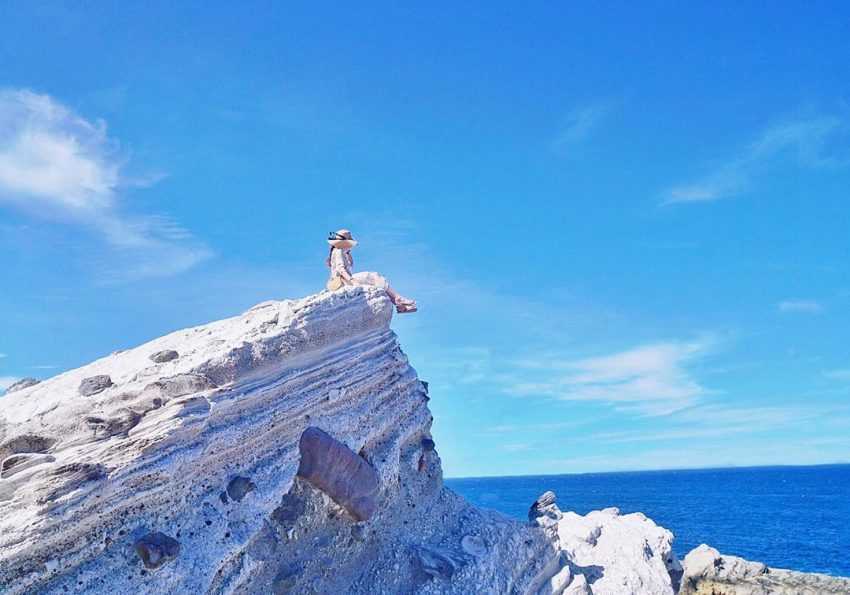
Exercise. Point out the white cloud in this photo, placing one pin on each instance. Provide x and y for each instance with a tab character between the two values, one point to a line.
808	142
56	165
578	126
650	379
800	306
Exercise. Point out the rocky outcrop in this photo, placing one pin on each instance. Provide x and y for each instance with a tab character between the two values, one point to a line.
22	384
605	553
708	572
284	450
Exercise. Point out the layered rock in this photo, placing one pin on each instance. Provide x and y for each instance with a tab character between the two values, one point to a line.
288	450
284	450
708	572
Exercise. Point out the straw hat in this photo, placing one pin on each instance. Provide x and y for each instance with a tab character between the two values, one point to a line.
341	239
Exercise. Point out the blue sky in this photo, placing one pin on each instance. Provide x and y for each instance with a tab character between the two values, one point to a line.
626	226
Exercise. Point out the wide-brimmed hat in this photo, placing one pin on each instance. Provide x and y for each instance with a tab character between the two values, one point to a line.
341	239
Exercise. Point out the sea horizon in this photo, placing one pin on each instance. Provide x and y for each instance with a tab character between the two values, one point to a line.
787	516
658	470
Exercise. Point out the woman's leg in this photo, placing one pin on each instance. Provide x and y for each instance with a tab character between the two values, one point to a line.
399	301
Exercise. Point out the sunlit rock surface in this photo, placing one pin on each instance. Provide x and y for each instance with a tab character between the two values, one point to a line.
172	468
708	572
606	553
286	450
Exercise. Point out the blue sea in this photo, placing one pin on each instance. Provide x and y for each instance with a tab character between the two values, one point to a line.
786	517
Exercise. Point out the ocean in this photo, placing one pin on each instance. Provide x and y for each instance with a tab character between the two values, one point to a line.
786	517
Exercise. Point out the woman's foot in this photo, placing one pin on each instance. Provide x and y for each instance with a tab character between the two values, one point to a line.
405	306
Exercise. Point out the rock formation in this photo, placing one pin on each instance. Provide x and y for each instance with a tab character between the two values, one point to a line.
708	572
286	450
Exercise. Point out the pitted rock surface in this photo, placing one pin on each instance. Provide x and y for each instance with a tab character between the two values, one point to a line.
140	475
155	549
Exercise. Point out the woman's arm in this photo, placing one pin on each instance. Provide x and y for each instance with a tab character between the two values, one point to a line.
338	266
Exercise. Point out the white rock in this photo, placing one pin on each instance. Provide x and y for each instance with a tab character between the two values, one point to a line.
708	571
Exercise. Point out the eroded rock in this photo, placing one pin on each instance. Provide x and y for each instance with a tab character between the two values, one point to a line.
179	385
544	506
18	462
155	549
436	563
161	357
95	384
708	571
21	384
342	474
26	443
120	422
239	487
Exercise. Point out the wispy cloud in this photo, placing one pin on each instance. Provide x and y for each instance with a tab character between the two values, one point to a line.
651	379
56	165
800	306
840	374
809	143
578	125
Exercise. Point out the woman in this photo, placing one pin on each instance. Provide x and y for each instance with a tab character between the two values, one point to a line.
341	262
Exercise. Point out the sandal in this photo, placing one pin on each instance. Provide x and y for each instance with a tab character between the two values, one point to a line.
406	307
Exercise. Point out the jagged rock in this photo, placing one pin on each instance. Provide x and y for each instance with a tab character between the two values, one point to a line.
21	384
94	385
239	487
428	444
161	357
341	473
544	506
290	510
707	571
613	553
155	549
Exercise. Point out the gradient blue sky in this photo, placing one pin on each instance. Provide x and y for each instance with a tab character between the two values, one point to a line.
626	223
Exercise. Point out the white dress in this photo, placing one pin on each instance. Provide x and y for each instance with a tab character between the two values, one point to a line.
341	260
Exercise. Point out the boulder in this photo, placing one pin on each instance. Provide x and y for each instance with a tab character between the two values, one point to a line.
342	474
94	385
161	357
706	571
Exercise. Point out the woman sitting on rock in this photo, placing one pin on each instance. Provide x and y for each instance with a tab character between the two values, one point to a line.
341	262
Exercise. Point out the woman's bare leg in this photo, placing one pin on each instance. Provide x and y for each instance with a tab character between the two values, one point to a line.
399	300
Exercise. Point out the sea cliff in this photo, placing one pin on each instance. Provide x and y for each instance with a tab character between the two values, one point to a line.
285	450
